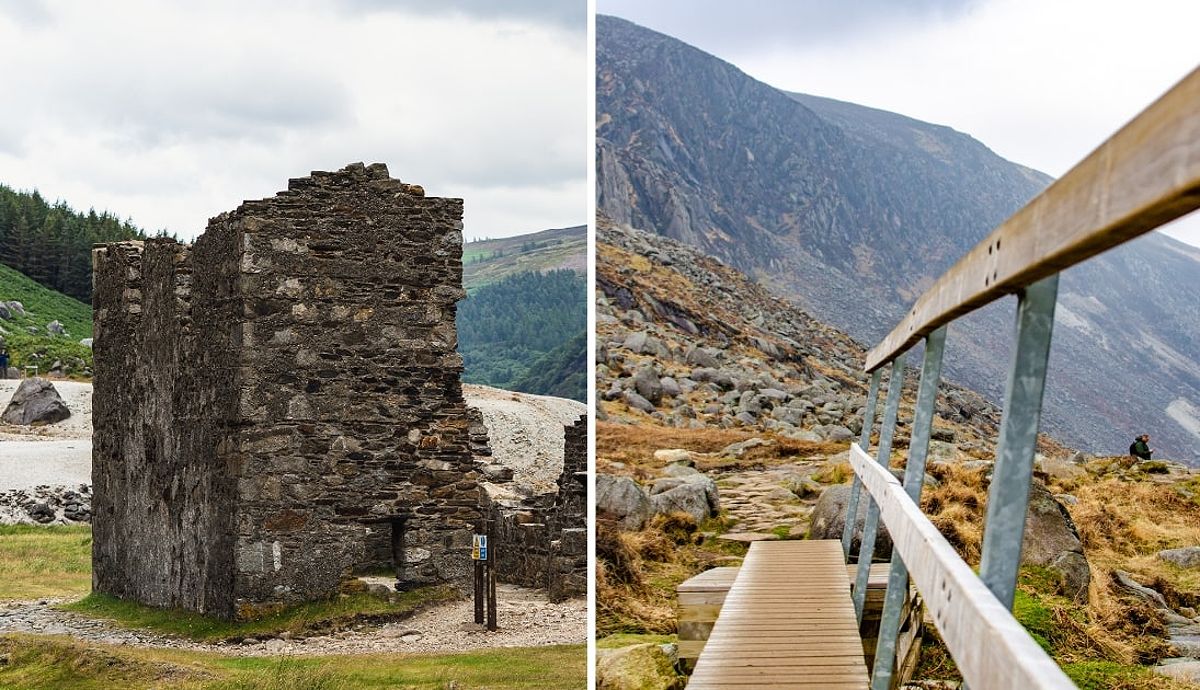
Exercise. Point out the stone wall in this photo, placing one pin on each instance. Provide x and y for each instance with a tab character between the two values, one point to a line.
279	406
542	542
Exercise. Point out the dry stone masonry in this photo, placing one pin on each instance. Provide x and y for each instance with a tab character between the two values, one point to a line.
278	406
542	541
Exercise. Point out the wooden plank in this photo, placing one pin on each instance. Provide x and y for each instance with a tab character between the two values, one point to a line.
787	621
989	646
1145	175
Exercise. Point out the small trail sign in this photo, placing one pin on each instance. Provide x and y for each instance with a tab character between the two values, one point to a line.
479	547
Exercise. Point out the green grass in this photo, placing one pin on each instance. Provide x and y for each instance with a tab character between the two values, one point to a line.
488	261
39	561
618	640
43	305
317	616
55	663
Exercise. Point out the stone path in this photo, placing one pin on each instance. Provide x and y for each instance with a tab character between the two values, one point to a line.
761	501
526	617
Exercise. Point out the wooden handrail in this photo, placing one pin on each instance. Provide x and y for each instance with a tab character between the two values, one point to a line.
1145	175
990	647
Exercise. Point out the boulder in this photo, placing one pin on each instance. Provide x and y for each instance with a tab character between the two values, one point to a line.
86	342
736	450
670	387
1187	670
829	519
637	402
1062	470
1137	589
1187	557
35	402
5	313
621	499
648	385
668	456
835	432
56	328
701	357
1052	541
695	495
639	667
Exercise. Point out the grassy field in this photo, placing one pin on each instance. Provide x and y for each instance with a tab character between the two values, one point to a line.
487	261
318	616
53	663
38	561
43	305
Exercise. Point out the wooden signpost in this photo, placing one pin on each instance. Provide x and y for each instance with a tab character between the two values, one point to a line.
485	575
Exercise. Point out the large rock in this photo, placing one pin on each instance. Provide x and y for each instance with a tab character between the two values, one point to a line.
1187	557
1181	670
685	497
829	519
35	402
639	667
621	499
1052	541
648	385
695	494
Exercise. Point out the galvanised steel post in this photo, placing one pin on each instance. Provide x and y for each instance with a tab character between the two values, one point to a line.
867	549
914	481
1008	497
864	441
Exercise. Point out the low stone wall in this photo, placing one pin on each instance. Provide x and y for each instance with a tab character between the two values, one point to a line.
542	541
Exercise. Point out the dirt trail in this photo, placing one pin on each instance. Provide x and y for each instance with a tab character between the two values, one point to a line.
526	617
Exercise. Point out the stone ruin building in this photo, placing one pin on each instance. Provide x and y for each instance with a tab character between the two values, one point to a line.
278	406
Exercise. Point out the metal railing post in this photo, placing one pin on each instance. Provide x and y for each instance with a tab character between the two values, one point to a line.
1008	496
866	548
914	481
864	441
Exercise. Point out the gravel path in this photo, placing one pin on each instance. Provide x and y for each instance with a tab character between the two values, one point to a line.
56	454
526	617
525	432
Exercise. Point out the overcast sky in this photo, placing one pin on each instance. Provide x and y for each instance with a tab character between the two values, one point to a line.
1041	83
171	113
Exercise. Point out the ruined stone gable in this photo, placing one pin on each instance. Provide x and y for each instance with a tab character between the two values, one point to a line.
279	405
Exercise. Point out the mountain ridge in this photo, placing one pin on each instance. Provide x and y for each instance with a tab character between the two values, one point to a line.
851	212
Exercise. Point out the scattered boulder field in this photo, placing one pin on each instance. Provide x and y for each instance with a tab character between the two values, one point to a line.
726	410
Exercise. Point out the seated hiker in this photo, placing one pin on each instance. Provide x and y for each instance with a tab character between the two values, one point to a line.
1140	448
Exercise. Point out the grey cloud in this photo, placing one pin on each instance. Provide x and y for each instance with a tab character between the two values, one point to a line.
32	13
262	105
568	14
719	25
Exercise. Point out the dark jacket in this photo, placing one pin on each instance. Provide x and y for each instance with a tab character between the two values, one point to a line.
1139	449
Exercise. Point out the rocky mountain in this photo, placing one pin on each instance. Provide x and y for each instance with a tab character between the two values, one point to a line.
488	261
852	212
692	343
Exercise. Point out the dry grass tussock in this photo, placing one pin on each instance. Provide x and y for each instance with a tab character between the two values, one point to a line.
1122	526
636	573
634	446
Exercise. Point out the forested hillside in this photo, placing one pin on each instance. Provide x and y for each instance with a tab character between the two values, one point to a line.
505	328
51	243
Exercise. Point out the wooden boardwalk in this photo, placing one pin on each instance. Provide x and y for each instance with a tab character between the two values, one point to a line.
787	622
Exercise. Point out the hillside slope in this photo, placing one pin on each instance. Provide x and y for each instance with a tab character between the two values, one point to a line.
23	331
488	261
852	212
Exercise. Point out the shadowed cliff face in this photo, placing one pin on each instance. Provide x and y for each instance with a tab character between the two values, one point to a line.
853	212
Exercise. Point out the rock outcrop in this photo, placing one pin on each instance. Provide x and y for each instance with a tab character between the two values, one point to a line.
35	402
